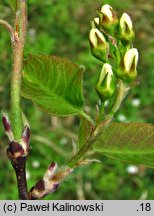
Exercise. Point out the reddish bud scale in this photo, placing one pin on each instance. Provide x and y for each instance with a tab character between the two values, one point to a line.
38	190
26	135
40	186
50	171
15	149
25	140
52	166
6	124
55	187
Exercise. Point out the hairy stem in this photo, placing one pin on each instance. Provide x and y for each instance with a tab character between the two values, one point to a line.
16	119
75	160
18	48
19	163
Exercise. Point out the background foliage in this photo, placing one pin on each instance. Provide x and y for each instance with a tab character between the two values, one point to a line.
61	27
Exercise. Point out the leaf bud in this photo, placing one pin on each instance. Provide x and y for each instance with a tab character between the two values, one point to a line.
105	86
99	46
45	185
127	69
42	189
126	28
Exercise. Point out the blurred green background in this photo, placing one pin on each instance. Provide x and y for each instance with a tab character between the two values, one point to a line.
61	27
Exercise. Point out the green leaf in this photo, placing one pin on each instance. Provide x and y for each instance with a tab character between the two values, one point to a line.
13	4
54	84
130	142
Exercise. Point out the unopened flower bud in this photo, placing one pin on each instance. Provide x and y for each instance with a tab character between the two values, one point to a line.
108	20
105	86
95	22
99	46
127	69
126	28
107	12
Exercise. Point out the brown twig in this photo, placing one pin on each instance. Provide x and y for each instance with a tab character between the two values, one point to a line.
19	166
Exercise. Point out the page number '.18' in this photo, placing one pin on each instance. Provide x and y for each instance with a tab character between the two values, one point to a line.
145	206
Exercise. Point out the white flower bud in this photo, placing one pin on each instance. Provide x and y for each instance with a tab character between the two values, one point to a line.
126	22
105	86
108	20
96	20
106	72
107	11
96	37
99	46
127	69
95	23
131	59
126	27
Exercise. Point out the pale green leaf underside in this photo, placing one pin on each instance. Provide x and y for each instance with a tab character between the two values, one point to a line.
54	84
130	142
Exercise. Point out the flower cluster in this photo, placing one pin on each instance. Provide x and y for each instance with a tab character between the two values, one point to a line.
111	42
